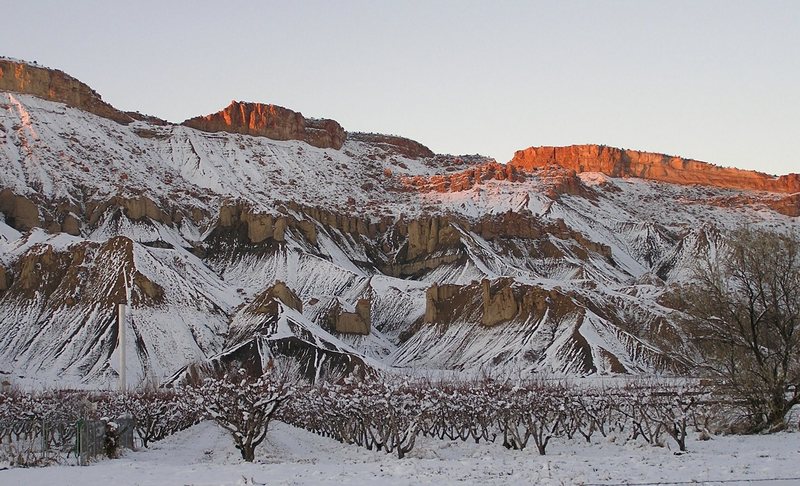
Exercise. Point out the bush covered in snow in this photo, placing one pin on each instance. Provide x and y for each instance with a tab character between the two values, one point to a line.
243	404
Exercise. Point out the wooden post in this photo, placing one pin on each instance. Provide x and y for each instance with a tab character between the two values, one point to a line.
122	347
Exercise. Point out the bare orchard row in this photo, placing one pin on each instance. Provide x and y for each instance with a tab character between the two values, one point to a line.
390	414
378	413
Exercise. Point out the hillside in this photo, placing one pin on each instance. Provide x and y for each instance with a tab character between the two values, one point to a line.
255	231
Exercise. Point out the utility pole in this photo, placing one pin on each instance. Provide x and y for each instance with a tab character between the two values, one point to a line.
123	341
122	345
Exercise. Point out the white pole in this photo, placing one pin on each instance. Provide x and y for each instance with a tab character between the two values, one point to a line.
122	345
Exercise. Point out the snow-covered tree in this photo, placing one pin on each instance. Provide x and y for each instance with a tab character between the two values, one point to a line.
156	413
243	404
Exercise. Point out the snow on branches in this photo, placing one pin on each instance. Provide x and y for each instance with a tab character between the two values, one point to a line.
385	413
388	413
242	404
156	413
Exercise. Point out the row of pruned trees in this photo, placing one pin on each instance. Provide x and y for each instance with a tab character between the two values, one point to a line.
379	413
41	427
388	414
372	413
36	428
45	423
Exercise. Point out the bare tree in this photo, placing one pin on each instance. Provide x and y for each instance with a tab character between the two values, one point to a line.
243	404
156	413
744	310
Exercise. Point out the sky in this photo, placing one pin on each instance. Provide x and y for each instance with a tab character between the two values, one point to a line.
717	81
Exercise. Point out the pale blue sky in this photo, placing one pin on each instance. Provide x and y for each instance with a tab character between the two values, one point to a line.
713	80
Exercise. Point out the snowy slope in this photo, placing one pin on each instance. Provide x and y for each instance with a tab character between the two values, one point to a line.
346	225
60	318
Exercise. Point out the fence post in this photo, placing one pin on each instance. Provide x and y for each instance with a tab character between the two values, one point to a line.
79	442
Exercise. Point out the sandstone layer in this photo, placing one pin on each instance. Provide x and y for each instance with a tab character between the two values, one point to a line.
267	301
54	85
271	121
463	180
493	302
617	162
358	322
399	145
4	279
20	212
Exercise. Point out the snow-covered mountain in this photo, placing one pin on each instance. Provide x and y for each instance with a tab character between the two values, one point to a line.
255	231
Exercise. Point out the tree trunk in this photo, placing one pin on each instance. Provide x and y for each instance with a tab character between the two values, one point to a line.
248	452
776	420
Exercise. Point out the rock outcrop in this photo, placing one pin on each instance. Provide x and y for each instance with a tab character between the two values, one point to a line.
24	214
151	293
420	244
398	145
21	213
555	180
617	162
64	275
54	85
71	225
271	121
4	279
425	235
140	208
253	337
358	322
499	305
494	302
72	216
789	205
258	227
465	179
436	301
267	301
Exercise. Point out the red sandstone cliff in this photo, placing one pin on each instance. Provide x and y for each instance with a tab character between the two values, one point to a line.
463	180
616	162
54	85
271	121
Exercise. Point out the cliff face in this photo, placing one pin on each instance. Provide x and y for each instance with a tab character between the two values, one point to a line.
403	146
4	279
616	162
358	322
271	121
789	205
20	212
463	180
203	227
267	301
54	85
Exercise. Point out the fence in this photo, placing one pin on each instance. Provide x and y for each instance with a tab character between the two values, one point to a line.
39	442
92	438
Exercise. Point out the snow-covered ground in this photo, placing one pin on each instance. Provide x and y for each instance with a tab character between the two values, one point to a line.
204	455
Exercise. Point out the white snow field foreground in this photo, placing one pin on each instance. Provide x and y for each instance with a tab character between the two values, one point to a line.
204	455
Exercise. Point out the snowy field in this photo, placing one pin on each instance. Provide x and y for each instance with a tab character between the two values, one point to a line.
204	455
